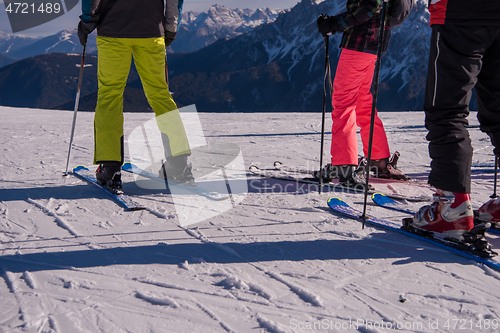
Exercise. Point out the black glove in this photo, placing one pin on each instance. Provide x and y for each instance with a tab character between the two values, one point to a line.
169	37
327	25
84	29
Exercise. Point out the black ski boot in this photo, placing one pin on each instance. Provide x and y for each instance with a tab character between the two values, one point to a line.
352	177
388	168
108	174
177	169
330	172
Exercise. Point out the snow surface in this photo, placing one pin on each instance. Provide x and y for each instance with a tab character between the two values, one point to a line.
74	261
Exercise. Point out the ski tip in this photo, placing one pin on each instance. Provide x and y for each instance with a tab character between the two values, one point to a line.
277	164
335	200
384	198
128	166
80	167
378	195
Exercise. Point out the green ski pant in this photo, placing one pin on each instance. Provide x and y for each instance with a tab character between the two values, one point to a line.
114	60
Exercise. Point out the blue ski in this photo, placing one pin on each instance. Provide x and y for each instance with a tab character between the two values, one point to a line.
341	207
389	203
216	196
122	199
483	165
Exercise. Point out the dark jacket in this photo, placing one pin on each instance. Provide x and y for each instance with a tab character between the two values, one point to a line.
361	26
132	18
466	12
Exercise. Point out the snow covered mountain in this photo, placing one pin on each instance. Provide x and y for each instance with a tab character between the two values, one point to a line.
198	30
65	41
278	66
288	55
11	42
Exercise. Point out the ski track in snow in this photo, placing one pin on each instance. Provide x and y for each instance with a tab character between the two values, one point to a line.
269	325
235	282
213	316
232	282
305	295
33	307
73	261
30	280
155	300
59	220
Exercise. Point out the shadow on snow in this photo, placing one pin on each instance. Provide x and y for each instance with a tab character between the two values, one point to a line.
376	246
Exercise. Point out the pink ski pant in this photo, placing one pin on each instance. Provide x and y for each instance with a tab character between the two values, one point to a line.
352	105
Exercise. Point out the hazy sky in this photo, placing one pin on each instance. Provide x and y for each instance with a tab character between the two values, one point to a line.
70	20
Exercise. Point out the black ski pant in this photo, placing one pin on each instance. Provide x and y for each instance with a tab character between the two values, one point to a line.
461	57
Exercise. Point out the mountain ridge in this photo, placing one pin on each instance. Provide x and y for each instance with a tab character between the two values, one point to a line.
196	31
278	66
293	43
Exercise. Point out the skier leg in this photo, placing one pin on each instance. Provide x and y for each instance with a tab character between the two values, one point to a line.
453	68
344	149
488	100
380	148
488	91
149	58
113	67
454	64
348	78
381	165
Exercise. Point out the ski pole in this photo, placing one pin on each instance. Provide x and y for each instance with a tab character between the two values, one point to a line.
166	70
494	195
375	83
77	101
325	88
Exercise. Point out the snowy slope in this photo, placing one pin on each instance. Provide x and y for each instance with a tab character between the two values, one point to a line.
71	260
